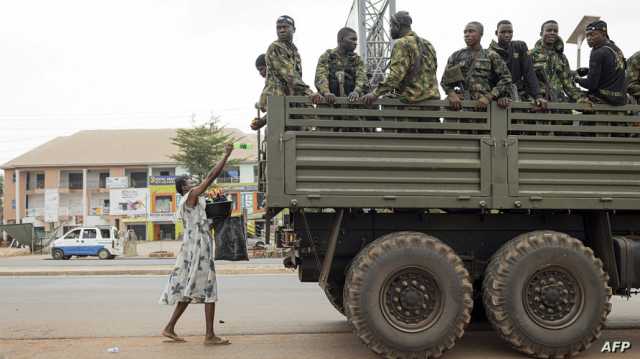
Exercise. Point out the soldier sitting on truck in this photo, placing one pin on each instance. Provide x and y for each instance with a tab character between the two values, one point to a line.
606	76
412	68
340	71
515	54
633	77
469	70
552	67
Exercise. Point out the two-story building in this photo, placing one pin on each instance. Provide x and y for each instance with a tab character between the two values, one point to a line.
113	177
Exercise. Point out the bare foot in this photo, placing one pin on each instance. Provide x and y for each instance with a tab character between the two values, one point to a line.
216	341
172	335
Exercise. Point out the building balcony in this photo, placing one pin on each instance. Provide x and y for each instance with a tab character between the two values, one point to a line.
35	212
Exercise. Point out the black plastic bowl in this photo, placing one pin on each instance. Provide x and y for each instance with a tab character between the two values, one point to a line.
220	209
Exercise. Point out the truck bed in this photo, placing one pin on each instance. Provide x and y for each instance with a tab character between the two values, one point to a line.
395	155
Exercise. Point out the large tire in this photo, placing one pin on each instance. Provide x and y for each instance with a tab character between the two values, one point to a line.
433	303
334	293
546	294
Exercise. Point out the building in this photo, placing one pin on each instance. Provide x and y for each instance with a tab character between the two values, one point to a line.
124	178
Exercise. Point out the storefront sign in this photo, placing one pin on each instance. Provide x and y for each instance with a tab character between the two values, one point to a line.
117	182
128	201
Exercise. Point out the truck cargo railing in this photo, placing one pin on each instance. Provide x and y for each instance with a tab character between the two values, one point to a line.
393	154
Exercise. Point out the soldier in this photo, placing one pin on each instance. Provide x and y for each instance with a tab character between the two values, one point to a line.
606	78
516	56
284	67
552	67
340	71
633	76
412	68
470	69
259	122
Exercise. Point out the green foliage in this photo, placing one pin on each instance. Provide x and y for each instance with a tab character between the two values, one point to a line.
200	147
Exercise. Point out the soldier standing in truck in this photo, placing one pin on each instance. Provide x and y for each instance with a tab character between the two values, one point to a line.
472	68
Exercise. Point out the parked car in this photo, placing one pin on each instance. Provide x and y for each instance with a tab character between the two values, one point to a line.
102	242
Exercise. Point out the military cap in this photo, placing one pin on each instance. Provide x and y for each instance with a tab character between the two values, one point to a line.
597	25
287	20
402	18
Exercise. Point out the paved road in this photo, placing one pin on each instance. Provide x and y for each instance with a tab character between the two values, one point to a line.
70	307
266	316
46	261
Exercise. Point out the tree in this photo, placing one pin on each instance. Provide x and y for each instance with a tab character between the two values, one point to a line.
200	147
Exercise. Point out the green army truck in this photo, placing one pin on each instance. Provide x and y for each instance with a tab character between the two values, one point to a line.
410	215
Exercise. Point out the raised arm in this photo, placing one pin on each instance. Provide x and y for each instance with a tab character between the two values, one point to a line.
215	172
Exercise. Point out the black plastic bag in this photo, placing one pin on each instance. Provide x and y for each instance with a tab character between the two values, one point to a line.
231	239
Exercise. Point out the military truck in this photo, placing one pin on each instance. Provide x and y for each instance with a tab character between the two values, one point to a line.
410	215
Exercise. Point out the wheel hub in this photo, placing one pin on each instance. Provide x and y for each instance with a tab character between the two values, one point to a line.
411	300
553	298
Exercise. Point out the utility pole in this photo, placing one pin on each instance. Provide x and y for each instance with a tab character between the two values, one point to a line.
372	19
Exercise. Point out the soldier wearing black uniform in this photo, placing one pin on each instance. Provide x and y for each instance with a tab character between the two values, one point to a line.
606	78
516	55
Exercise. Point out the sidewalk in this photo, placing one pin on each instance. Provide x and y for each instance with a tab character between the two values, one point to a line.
47	267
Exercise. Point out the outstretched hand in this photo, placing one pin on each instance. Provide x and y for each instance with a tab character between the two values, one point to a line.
228	148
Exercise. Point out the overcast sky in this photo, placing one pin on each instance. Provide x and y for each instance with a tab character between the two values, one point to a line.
70	65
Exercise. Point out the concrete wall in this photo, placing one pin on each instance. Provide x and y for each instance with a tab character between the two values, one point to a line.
246	174
144	248
9	191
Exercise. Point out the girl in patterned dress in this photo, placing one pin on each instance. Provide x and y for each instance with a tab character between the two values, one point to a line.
193	278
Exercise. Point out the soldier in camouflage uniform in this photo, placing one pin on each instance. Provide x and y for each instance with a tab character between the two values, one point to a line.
470	70
412	68
284	67
552	67
258	122
633	76
340	71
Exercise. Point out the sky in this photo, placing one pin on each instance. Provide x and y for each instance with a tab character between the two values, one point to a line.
71	65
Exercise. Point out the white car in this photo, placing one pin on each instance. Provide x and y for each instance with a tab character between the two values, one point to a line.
87	241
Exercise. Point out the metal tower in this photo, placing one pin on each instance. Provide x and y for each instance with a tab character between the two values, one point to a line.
371	19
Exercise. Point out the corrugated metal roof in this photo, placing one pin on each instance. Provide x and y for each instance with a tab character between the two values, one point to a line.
117	148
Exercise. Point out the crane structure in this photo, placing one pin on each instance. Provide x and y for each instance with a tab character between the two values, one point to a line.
371	19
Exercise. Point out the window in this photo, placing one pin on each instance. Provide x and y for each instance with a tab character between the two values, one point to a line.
165	173
139	179
163	204
75	180
75	234
105	233
230	174
40	181
28	181
102	182
89	234
13	178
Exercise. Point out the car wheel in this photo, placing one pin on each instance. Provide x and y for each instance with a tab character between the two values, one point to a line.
104	254
57	254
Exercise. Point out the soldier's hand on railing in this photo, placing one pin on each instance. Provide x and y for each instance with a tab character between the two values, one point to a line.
482	103
504	102
541	104
329	98
454	101
369	98
585	101
316	98
353	96
257	123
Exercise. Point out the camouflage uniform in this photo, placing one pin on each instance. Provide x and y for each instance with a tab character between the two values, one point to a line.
284	72
340	74
633	76
554	64
477	74
412	79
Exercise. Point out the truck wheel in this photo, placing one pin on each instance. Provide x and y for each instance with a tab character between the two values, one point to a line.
546	294
104	254
57	254
334	293
408	295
